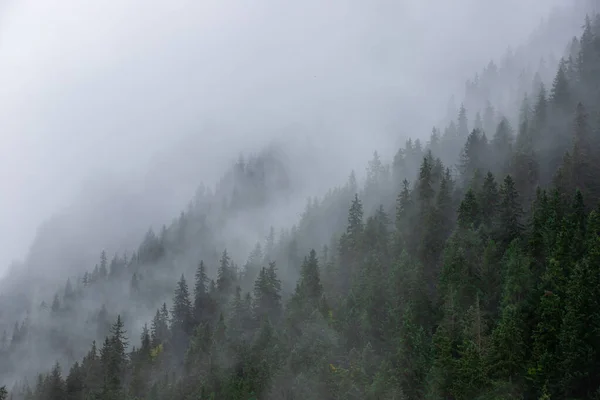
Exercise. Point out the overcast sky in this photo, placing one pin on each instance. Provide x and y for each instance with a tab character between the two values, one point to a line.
89	88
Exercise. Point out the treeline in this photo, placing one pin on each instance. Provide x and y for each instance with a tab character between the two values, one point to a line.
481	280
35	333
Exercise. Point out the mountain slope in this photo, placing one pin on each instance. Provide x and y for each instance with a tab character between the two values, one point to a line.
477	288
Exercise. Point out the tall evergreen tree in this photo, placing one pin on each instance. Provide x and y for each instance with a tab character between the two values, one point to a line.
309	288
584	169
182	320
204	307
502	147
103	269
509	223
114	361
267	293
225	274
463	128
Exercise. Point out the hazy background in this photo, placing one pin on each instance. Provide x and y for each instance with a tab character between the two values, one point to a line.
132	103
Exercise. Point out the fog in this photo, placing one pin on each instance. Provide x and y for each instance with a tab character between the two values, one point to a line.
113	91
116	117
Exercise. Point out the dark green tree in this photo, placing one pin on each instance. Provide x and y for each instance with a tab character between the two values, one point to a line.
225	274
509	224
267	294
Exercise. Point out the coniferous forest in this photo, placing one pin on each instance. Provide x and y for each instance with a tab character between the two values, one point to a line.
466	268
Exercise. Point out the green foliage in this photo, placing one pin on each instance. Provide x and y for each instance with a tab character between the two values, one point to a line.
479	285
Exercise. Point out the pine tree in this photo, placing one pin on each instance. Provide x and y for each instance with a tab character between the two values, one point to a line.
182	313
435	141
86	280
253	264
587	61
241	320
92	369
488	201
134	284
160	326
471	369
489	119
114	361
267	294
509	337
473	154
463	300
146	344
468	212
425	189
270	245
525	165
538	231
543	371
375	171
584	170
102	322
404	220
204	308
540	117
563	179
559	94
156	329
55	307
463	128
309	288
75	383
351	245
509	223
225	275
438	229
56	385
355	224
103	269
502	147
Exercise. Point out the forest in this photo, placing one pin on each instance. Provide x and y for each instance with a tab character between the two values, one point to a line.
466	268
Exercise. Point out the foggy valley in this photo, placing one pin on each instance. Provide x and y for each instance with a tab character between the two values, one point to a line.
341	200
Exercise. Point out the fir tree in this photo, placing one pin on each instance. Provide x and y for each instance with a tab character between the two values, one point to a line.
510	213
181	313
225	278
267	293
309	288
204	308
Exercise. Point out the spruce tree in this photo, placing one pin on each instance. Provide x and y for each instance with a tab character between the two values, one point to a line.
203	308
468	211
463	128
501	147
182	321
267	294
225	276
75	382
488	201
55	385
309	288
404	220
509	221
103	269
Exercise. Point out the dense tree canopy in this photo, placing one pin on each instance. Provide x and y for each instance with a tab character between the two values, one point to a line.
474	275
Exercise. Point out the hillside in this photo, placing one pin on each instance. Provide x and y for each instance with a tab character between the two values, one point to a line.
465	268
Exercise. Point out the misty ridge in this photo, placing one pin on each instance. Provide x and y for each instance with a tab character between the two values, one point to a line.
460	263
